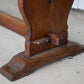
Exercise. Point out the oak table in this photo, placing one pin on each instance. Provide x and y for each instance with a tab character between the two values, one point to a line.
43	23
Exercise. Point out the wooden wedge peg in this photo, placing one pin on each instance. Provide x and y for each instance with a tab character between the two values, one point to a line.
41	41
55	39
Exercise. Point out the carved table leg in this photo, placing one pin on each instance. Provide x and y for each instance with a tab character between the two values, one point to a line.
21	65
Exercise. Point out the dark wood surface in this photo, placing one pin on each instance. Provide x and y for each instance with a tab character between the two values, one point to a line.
44	27
13	24
43	17
21	65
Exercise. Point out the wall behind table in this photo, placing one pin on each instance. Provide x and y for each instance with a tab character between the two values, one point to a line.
78	4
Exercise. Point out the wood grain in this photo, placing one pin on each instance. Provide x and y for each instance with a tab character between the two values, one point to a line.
45	30
43	17
13	23
21	65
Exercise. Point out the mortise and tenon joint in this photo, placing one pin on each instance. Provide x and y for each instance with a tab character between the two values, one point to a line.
44	27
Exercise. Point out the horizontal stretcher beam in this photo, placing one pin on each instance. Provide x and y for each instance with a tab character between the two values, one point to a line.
13	23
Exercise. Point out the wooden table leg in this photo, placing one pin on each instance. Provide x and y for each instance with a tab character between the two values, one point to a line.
21	65
46	37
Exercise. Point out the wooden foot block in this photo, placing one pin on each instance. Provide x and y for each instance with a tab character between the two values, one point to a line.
21	65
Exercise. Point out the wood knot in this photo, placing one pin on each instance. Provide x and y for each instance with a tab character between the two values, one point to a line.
50	1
